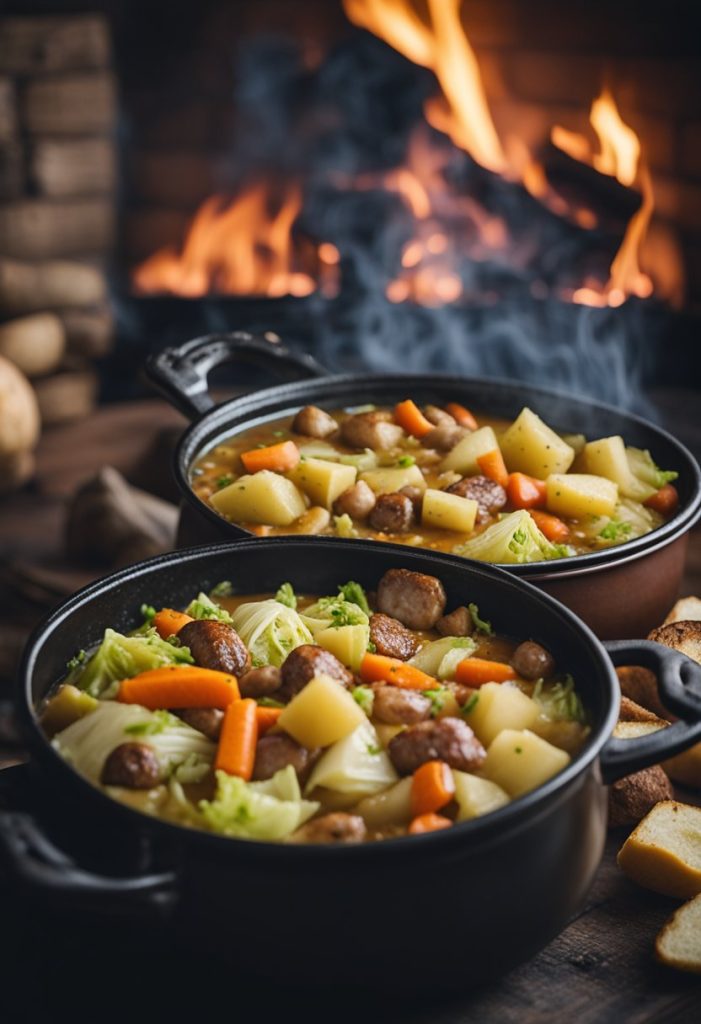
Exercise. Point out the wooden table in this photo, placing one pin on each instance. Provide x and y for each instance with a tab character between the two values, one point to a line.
600	969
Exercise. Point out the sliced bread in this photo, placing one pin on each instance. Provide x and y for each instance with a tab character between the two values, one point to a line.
633	796
686	608
679	942
663	852
631	711
640	685
684	636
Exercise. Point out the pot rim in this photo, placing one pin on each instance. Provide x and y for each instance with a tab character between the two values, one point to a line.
682	521
493	826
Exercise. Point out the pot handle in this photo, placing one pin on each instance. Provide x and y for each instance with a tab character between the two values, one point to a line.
679	680
181	372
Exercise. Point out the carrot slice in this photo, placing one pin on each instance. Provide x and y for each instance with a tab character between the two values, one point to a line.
476	671
552	527
277	457
525	491
267	718
462	415
432	787
428	823
408	415
169	622
492	465
663	501
236	752
260	529
179	686
376	668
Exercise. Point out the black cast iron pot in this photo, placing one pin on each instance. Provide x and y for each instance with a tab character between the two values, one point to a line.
487	893
623	591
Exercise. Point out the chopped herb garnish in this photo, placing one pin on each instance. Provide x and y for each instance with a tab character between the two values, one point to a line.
173	640
279	433
405	461
371	647
480	624
148	612
224	481
269	702
438	697
364	697
373	749
286	595
518	750
470	704
223	589
78	659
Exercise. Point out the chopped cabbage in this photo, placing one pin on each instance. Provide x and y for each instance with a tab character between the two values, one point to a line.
641	520
367	459
560	701
270	630
319	450
353	592
286	595
120	657
356	765
643	466
439	658
336	611
273	809
344	526
203	607
514	539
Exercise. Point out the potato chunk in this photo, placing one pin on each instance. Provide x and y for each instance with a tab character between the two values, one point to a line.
463	457
530	446
500	707
476	796
322	481
581	494
347	643
448	511
518	761
263	497
65	707
321	714
607	457
387	481
391	807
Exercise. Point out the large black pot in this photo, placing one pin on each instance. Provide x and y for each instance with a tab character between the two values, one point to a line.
485	894
622	591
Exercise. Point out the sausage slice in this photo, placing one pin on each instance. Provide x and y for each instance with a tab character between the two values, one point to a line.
337	827
417	600
489	495
458	623
304	663
216	645
393	513
371	430
206	720
532	661
396	706
260	682
445	739
133	765
391	638
311	421
276	752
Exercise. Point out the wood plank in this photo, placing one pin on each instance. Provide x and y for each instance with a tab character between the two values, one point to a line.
73	167
45	228
34	45
79	104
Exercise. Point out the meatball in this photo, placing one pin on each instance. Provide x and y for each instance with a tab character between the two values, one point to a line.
358	501
445	739
314	422
532	661
397	706
489	495
417	600
216	645
276	752
444	437
134	765
337	827
458	623
206	720
415	496
393	513
260	682
371	430
391	638
438	416
304	663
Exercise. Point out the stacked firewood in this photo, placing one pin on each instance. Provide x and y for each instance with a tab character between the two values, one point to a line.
57	209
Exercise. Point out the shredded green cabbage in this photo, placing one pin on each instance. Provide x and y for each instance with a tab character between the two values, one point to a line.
643	466
442	656
120	657
344	526
270	630
638	519
512	540
286	595
559	701
273	809
353	592
334	611
203	607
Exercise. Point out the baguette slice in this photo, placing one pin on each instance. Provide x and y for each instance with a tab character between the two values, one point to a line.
679	943
633	796
684	636
640	685
663	852
631	711
686	608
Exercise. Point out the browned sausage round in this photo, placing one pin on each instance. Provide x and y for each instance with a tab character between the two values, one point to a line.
393	513
391	638
134	765
357	501
304	663
417	600
396	706
458	623
415	496
437	416
444	437
337	827
216	645
371	430
314	422
260	682
206	720
276	752
532	661
446	739
489	495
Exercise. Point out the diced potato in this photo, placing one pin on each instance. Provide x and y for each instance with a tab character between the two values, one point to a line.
448	511
393	478
607	457
518	761
581	494
500	707
386	732
322	481
463	457
356	764
321	714
575	441
393	807
531	446
263	497
476	796
347	643
65	707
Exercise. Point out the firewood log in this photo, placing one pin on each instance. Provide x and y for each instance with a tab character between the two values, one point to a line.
89	332
34	343
8	109
12	176
79	104
26	287
31	45
45	228
73	167
68	395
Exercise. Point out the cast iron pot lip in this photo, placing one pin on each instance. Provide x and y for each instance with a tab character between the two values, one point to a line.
684	519
494	826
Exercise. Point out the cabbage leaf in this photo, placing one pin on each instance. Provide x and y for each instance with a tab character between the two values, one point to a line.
270	630
273	809
560	701
439	658
643	466
203	607
356	765
336	611
121	657
512	540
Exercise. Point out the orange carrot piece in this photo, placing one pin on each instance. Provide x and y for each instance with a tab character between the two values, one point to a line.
410	418
552	527
277	457
260	529
526	491
663	501
462	415
476	671
432	787
169	622
267	718
428	823
179	686
492	465
375	668
236	752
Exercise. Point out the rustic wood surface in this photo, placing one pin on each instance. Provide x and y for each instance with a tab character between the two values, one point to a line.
600	969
